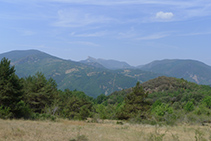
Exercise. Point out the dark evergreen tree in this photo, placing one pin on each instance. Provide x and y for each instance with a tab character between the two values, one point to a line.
135	104
10	89
39	92
75	105
101	98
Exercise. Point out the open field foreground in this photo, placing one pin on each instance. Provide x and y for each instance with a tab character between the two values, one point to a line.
25	130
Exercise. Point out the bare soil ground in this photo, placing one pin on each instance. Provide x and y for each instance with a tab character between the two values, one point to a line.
68	130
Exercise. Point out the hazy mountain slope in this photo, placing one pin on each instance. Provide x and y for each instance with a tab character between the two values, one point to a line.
138	74
190	70
68	74
94	79
109	64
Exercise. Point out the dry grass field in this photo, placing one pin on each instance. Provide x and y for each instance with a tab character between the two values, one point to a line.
67	130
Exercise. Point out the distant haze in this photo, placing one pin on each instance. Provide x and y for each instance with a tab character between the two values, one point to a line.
136	32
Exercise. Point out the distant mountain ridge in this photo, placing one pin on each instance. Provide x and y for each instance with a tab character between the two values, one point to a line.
109	64
96	78
69	74
190	70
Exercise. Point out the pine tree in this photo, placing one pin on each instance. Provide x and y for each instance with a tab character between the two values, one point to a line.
10	87
135	104
39	92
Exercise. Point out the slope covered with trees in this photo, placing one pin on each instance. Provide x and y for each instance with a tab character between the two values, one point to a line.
190	70
163	100
69	74
172	101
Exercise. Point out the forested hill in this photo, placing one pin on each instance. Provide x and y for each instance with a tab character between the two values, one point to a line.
94	78
190	70
72	75
167	89
165	84
165	100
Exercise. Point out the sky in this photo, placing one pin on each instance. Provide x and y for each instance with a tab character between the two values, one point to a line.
134	31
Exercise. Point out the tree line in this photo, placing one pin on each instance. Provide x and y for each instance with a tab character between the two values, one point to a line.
36	97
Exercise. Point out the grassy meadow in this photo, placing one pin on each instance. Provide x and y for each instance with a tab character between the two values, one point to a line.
107	130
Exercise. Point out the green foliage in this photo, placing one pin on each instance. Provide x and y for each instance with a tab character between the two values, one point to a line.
135	104
44	116
74	106
101	110
106	112
202	110
189	106
101	98
10	88
36	97
23	110
162	109
39	92
156	103
5	112
207	101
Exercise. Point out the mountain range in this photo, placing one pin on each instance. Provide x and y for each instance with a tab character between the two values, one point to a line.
190	70
100	76
109	64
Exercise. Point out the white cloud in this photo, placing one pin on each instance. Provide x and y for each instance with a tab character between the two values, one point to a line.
164	15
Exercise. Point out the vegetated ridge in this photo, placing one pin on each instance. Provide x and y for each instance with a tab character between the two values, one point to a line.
109	64
169	89
98	76
69	74
190	70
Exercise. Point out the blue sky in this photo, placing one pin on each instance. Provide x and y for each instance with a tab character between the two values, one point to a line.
135	31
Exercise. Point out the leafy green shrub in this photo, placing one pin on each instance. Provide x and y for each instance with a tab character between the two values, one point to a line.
101	111
207	101
156	103
162	109
177	106
189	106
5	112
23	110
37	116
202	109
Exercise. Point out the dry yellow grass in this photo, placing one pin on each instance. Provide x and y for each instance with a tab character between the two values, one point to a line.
66	130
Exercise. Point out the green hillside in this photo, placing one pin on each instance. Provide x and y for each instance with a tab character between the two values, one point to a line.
138	74
190	70
163	100
109	64
168	89
94	79
68	74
